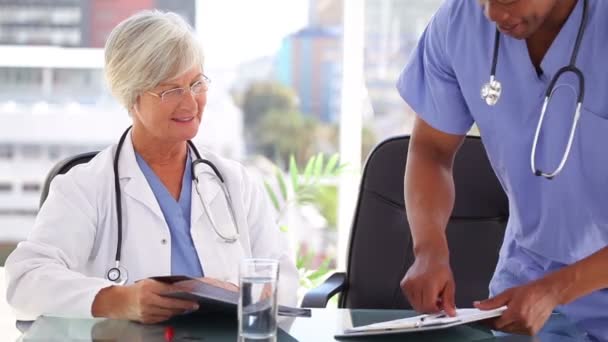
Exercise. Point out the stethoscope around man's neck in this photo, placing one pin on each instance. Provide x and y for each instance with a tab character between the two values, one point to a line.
118	273
491	92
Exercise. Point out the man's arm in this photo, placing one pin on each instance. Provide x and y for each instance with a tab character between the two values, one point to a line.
582	278
530	305
429	184
429	200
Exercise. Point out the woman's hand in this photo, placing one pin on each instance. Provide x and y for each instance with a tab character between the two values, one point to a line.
142	302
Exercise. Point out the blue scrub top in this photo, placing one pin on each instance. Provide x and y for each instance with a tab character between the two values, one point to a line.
184	258
552	223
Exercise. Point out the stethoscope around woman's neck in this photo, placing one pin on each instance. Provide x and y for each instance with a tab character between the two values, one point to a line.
491	92
118	273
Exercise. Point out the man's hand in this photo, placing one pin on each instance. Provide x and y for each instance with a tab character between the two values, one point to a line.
528	307
429	284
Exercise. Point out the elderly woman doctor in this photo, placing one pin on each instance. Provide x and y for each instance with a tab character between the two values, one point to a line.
151	205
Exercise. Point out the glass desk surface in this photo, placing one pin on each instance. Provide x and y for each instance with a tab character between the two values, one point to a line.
321	326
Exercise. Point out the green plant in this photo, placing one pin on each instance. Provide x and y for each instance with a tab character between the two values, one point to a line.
300	189
327	202
307	187
311	278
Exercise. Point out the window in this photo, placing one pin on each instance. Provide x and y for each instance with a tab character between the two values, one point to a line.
31	151
7	151
31	187
5	187
54	152
392	29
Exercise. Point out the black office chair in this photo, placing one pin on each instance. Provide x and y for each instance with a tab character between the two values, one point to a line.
380	247
62	167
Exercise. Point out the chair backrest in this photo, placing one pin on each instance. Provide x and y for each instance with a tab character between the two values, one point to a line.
380	248
62	167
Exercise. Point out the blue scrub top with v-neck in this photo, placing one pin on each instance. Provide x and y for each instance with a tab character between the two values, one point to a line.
184	258
552	223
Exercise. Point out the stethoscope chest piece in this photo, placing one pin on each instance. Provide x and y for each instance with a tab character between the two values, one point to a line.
117	275
491	91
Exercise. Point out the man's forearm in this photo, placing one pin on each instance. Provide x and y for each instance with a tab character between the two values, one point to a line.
429	186
429	198
581	278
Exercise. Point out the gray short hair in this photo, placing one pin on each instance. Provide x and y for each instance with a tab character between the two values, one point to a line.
146	49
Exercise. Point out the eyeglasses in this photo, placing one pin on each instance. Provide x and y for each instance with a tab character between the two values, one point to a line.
175	94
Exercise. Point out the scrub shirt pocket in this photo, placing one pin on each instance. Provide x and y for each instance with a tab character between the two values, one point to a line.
599	112
592	141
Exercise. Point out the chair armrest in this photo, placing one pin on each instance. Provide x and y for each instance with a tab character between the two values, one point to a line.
23	326
319	296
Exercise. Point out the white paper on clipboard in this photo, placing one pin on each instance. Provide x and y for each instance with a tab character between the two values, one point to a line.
422	323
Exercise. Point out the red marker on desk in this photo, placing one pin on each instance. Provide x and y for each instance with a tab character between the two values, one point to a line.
169	334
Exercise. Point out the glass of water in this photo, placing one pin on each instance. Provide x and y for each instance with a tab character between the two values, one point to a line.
258	299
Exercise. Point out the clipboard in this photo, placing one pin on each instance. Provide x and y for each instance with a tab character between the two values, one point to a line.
421	323
213	299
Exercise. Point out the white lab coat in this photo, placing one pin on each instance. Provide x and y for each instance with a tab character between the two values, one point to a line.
62	265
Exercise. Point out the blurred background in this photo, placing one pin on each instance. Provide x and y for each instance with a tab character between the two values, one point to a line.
280	81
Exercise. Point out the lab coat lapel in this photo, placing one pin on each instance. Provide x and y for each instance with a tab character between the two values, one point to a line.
209	189
214	253
136	186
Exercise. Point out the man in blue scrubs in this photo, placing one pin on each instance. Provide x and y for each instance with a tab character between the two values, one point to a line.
555	254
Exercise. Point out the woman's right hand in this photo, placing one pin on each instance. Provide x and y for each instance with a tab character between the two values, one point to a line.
141	302
429	284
